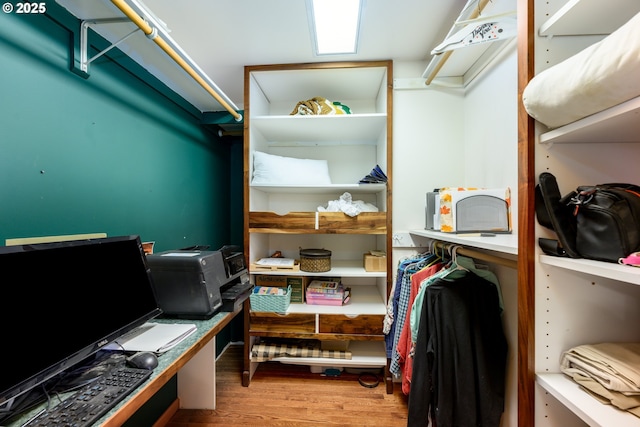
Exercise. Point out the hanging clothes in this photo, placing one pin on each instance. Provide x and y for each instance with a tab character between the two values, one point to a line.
404	348
398	301
458	268
404	293
459	365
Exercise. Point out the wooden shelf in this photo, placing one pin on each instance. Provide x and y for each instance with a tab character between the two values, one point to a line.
585	406
620	123
589	17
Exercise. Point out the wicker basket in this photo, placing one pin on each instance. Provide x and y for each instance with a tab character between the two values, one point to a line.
272	303
315	260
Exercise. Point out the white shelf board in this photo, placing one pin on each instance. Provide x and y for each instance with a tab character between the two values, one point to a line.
585	406
609	270
335	84
364	300
339	268
322	129
365	354
504	243
620	123
576	17
142	50
320	189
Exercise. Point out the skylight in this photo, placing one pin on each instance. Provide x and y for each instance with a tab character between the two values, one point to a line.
335	25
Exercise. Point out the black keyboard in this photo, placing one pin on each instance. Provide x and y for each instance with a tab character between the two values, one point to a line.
94	400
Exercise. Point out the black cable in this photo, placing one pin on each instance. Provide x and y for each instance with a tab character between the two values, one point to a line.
368	380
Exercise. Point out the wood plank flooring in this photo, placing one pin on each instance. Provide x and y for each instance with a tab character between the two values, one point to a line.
289	395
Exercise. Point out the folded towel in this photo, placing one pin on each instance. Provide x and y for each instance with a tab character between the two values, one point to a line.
616	366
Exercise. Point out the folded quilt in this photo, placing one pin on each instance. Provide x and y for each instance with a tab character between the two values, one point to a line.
630	404
615	366
265	351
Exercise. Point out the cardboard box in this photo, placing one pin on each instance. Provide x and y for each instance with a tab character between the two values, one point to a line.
375	262
298	284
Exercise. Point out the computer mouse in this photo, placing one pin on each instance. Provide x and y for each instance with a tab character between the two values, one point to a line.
143	360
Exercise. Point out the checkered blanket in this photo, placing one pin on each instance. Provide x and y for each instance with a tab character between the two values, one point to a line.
265	351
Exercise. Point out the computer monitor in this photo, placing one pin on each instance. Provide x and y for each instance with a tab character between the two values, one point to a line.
63	301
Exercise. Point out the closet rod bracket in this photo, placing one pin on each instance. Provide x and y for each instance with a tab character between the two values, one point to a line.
84	40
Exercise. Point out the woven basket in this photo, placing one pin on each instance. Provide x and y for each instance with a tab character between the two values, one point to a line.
315	260
272	303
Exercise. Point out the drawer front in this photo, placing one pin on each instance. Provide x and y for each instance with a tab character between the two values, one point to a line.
292	221
318	222
364	324
282	323
365	222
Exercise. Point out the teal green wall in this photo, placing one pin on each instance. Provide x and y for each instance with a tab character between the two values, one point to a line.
116	152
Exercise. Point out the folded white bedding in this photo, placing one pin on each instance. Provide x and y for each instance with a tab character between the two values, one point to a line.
605	74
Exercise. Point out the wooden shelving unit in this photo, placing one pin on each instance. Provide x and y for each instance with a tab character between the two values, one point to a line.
286	218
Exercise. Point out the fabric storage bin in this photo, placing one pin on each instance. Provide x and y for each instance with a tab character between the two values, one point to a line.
315	260
272	302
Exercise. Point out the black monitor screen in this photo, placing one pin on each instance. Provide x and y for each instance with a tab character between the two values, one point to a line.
61	302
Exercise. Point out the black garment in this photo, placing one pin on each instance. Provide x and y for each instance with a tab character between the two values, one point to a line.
459	367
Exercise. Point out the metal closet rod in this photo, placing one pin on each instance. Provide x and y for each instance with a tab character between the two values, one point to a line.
471	253
149	31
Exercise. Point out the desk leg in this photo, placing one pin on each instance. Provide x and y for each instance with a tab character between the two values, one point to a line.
197	380
246	359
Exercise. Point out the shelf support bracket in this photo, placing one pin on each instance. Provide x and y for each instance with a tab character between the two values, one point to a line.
84	40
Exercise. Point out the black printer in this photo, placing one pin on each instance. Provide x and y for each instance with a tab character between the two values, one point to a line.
196	284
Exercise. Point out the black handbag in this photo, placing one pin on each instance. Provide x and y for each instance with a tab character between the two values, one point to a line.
600	222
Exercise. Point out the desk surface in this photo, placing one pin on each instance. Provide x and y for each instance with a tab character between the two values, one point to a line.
169	364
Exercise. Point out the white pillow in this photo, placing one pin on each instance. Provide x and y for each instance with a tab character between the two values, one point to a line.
272	169
601	76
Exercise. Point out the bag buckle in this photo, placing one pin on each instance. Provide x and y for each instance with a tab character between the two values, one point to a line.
582	198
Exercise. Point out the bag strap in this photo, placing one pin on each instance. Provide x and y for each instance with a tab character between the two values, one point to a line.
553	213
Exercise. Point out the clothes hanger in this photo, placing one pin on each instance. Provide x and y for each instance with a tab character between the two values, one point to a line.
454	256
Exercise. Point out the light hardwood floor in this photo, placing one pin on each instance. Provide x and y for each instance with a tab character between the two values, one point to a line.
289	395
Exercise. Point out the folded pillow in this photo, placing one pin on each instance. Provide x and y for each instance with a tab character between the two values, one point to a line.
601	76
272	169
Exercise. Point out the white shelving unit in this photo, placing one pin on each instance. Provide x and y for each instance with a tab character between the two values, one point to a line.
499	243
287	218
580	301
577	17
585	406
622	273
620	123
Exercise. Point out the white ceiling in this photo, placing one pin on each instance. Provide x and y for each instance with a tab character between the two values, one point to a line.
222	36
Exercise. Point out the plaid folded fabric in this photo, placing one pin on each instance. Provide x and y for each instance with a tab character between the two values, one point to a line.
263	352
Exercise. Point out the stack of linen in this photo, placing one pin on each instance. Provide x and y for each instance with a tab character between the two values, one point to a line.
609	371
